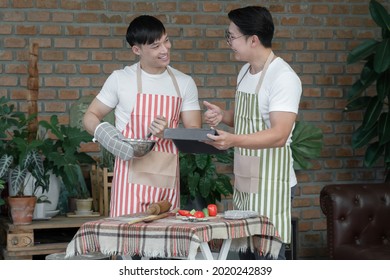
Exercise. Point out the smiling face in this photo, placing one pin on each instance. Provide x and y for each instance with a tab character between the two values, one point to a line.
238	42
155	57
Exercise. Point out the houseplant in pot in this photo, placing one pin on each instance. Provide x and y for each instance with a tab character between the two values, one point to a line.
64	158
200	182
19	157
56	145
371	92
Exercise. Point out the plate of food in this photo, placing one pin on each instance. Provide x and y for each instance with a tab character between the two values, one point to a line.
240	214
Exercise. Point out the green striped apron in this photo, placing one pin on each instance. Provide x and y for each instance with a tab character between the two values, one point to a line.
262	176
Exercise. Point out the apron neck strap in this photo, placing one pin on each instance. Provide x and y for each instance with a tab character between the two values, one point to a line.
267	63
139	80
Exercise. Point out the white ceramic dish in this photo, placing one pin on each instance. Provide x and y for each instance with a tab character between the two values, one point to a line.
83	213
51	213
240	214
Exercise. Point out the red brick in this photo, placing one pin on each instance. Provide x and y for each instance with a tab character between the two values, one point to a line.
69	43
102	55
95	5
212	7
110	18
113	43
77	55
166	6
90	69
79	82
71	5
63	17
65	68
50	30
320	9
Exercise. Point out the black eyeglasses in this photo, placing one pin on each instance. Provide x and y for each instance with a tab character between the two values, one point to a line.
230	38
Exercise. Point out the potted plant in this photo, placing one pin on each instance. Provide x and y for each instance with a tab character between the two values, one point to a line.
54	150
200	183
374	132
19	157
64	158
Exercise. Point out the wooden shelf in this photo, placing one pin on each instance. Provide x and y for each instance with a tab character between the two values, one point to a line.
23	241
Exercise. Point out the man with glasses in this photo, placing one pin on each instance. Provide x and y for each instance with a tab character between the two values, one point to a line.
267	99
147	97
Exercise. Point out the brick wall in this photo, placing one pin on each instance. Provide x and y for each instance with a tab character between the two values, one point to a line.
82	42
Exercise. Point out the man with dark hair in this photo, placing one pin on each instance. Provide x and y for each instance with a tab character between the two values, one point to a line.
147	97
267	99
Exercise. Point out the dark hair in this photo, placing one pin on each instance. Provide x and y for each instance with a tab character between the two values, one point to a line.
144	30
254	20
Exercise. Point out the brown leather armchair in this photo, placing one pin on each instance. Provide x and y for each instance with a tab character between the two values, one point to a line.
358	221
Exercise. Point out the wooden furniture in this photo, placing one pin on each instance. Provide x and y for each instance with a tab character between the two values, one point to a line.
173	237
101	180
38	238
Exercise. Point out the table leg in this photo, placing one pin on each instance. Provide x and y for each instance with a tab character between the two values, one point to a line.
206	252
224	249
222	255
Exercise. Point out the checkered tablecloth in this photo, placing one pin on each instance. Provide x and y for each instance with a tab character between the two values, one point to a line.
172	237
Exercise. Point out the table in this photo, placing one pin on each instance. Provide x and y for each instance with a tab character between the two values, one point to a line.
174	238
25	241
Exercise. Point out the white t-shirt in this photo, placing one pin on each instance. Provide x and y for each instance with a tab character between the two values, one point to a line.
281	89
120	90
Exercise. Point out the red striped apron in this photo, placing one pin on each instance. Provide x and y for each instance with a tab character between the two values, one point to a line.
154	177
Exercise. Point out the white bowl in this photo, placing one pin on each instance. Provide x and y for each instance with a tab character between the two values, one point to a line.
51	213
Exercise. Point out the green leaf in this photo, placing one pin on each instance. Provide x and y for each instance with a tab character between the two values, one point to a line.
383	86
373	153
362	51
382	56
368	75
307	143
372	113
205	186
5	163
53	126
384	132
379	14
201	161
18	174
387	153
357	104
223	185
226	158
362	137
193	182
300	163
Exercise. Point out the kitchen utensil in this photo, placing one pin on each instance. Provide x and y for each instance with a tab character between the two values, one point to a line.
191	140
150	218
148	136
157	217
141	147
159	207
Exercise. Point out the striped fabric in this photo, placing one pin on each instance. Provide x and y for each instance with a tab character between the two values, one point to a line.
172	237
272	198
129	198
